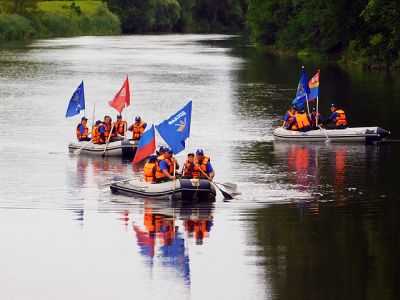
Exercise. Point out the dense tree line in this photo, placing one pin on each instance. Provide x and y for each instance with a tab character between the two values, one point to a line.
180	15
365	32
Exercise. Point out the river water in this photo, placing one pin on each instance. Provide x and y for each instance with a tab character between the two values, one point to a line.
313	221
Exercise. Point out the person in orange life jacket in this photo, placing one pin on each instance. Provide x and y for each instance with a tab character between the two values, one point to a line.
188	167
202	162
301	122
338	117
120	127
313	118
161	151
82	131
97	137
108	125
289	117
137	128
165	166
149	169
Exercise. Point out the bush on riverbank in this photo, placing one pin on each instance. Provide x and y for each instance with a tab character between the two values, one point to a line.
15	27
60	18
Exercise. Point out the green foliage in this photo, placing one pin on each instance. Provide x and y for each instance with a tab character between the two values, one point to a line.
15	27
21	7
179	15
364	32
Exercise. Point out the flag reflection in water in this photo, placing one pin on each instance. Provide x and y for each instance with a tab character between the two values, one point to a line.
160	236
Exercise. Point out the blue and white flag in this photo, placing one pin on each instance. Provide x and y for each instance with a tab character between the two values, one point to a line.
176	129
303	90
77	102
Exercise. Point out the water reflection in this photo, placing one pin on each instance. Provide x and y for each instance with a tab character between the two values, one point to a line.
163	232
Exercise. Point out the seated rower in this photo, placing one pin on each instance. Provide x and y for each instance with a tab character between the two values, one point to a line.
289	117
149	169
313	118
98	133
338	117
137	128
109	132
301	122
120	127
202	166
188	167
165	166
82	131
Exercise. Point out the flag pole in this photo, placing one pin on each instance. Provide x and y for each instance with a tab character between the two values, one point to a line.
308	108
316	115
94	110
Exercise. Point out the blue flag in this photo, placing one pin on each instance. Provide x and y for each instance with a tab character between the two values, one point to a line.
77	102
303	90
176	129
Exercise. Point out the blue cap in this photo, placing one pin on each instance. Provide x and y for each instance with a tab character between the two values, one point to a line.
167	150
162	149
84	119
138	119
152	158
199	152
334	105
314	109
293	107
119	117
98	122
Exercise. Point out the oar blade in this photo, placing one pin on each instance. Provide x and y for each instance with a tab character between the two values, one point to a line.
226	195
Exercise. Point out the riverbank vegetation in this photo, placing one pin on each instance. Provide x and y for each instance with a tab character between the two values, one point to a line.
359	32
26	19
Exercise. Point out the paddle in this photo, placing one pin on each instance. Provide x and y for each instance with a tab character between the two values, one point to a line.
108	140
229	185
225	194
78	151
326	136
104	184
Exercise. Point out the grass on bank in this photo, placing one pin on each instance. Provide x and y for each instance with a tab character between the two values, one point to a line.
60	18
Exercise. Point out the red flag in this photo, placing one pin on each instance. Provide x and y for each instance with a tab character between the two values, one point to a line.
123	98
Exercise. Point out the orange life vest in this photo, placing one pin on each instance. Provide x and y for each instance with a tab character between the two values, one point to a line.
95	134
186	167
120	127
287	123
149	170
302	121
137	130
203	166
79	135
341	118
170	162
107	131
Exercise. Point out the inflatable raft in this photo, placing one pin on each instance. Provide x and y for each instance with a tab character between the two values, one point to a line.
118	148
356	134
180	189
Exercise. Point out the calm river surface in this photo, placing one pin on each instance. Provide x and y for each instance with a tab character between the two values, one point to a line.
313	221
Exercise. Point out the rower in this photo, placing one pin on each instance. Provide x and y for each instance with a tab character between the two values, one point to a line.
289	117
165	166
137	128
188	166
107	129
82	131
120	127
313	118
97	136
301	122
202	166
338	117
149	169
